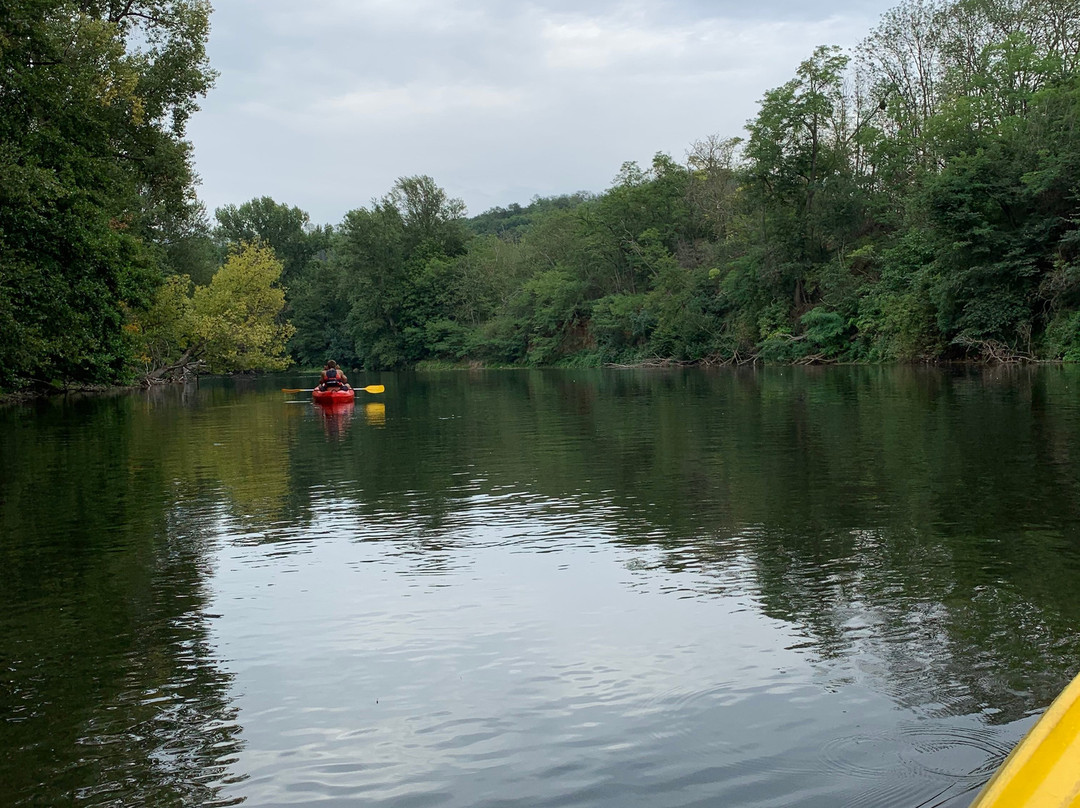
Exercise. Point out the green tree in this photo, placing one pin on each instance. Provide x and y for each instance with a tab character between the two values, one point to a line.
320	312
653	200
95	174
1005	218
798	171
166	329
713	184
428	214
397	272
316	300
288	230
550	307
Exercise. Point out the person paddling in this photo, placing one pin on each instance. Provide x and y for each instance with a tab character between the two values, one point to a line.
332	378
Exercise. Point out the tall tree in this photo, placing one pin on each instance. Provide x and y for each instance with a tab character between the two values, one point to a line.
394	259
288	230
797	164
94	174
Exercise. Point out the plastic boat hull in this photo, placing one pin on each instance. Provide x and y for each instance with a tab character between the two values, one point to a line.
333	396
1043	771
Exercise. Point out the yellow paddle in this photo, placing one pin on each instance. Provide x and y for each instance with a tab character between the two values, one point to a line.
371	388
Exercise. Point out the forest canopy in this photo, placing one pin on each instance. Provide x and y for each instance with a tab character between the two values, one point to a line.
915	199
96	184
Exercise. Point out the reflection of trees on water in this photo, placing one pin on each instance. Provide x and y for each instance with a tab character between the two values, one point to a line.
897	603
923	516
110	691
917	526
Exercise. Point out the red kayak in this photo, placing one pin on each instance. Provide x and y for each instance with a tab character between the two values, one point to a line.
333	396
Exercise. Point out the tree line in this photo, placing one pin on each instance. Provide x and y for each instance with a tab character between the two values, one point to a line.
915	199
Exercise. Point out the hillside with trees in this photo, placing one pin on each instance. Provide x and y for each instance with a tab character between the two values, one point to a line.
917	199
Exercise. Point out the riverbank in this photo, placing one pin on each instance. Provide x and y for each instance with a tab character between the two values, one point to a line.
27	396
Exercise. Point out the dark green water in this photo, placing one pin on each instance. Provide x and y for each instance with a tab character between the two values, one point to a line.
820	587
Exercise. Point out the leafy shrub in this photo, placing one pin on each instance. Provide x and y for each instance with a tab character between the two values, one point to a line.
1062	338
621	323
825	332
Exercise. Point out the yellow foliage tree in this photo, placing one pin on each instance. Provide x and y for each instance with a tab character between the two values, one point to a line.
233	324
238	316
166	327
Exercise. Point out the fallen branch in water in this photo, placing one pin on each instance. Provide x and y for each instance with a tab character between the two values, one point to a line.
187	367
991	350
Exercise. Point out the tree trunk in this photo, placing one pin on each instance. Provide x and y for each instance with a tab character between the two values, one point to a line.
188	362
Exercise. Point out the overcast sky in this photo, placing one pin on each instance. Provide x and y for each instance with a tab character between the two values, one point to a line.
323	104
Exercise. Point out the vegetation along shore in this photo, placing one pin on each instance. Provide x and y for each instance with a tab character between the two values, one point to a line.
915	199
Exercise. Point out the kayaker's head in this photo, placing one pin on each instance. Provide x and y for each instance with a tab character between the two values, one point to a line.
330	363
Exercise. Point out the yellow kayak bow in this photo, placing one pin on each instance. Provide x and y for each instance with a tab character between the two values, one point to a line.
1043	771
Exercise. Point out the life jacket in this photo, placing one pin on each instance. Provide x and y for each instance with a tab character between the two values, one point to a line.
330	378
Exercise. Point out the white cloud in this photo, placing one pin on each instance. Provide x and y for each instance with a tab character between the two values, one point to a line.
411	16
412	101
598	43
384	108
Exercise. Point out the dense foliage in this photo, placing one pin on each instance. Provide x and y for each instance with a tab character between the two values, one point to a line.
916	199
96	196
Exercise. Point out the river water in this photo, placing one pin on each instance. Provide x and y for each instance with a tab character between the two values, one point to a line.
771	587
